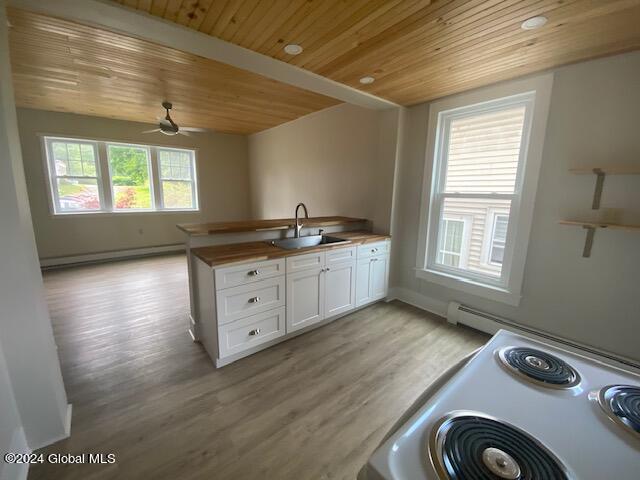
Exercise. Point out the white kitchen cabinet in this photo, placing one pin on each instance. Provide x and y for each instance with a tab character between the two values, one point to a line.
305	298
379	282
372	273
340	288
247	307
363	282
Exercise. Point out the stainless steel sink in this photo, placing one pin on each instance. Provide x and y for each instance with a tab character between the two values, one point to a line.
308	241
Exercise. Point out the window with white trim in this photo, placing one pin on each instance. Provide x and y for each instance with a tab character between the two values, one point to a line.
177	178
483	170
87	176
75	176
498	239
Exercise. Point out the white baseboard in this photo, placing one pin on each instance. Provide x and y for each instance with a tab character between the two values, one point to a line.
423	302
112	255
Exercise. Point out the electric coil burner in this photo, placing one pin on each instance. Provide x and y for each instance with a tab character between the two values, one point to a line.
472	446
621	403
539	367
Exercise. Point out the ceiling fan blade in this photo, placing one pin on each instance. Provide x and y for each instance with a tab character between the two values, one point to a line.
194	129
152	131
181	132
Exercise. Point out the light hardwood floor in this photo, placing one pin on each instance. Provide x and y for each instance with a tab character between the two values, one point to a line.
313	407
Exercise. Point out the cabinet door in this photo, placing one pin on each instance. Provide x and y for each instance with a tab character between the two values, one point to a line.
379	277
340	288
305	298
363	282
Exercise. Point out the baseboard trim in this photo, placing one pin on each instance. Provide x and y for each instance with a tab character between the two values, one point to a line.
423	302
107	256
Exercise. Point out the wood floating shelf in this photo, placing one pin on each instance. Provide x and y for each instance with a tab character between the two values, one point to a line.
614	226
591	231
614	170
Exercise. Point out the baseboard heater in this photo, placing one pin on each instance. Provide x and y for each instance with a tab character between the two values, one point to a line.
488	323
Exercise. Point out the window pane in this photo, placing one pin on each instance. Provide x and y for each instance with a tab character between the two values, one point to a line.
75	159
175	165
478	216
177	194
483	152
497	254
78	194
60	157
129	168
500	229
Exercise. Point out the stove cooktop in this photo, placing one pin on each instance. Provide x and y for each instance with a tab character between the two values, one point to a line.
521	409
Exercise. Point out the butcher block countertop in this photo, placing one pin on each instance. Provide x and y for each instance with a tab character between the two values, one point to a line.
217	255
195	229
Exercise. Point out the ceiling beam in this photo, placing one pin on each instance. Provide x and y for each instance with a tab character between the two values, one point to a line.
114	17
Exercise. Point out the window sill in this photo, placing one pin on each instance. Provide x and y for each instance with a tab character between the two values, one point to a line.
462	284
120	213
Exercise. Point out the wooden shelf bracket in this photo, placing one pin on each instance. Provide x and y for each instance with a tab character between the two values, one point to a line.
597	194
588	241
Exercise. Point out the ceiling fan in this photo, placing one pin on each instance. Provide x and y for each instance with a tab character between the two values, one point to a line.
167	126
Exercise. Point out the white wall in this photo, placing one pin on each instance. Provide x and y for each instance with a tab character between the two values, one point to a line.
593	120
26	338
12	437
339	161
223	177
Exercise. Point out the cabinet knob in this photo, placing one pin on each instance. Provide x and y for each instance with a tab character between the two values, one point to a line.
374	259
254	332
327	269
253	273
254	299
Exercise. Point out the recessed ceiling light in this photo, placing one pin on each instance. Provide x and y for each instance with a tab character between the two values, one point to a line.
367	80
293	49
533	22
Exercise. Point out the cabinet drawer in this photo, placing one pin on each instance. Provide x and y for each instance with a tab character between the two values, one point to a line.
340	255
373	249
251	331
297	263
238	302
248	273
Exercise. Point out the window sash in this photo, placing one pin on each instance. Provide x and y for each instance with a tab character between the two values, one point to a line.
192	181
50	168
438	193
103	177
152	206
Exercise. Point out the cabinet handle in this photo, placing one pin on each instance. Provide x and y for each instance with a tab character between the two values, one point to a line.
374	250
254	332
374	259
254	299
253	273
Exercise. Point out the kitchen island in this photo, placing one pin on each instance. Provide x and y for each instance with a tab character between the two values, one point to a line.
247	293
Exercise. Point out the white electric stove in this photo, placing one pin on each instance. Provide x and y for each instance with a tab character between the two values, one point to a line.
519	409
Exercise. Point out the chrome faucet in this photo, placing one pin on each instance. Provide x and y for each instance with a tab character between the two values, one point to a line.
299	225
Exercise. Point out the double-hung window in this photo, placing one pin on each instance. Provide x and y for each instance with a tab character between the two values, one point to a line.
74	176
177	179
478	199
87	176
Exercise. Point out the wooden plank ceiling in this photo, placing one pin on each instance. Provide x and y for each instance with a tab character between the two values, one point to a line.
417	50
63	66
